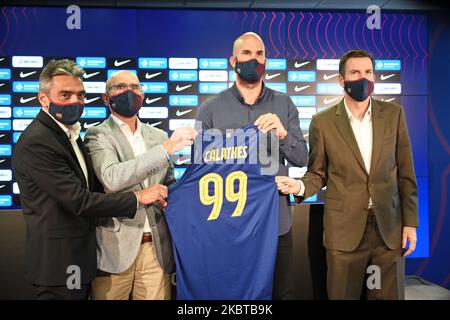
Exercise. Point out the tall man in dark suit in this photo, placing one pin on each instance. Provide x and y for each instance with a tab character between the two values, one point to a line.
360	150
57	188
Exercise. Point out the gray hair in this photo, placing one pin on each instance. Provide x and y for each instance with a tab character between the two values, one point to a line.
57	68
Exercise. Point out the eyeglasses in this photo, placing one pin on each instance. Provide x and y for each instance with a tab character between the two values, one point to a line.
124	86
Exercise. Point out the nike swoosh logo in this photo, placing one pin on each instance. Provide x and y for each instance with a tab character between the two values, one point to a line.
149	76
180	162
2	84
297	89
327	101
1	59
90	75
2	135
328	77
3	160
120	63
2	185
182	113
271	76
148	101
178	88
23	100
24	75
388	100
88	125
298	65
154	124
383	77
86	101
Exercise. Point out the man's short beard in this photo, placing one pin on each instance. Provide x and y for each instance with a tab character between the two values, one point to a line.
246	84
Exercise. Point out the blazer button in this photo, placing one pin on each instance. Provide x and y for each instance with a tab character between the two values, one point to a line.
140	225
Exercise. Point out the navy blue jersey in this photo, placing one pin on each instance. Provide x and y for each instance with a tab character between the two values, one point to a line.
223	219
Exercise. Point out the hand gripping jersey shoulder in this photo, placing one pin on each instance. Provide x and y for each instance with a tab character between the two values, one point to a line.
223	218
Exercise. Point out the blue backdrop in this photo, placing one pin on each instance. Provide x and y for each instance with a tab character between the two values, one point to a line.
417	45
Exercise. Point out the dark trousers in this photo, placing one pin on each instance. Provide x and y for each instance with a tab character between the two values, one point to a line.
282	281
349	278
62	292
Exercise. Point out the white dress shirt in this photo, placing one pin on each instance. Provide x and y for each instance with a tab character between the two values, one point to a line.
73	132
363	132
137	144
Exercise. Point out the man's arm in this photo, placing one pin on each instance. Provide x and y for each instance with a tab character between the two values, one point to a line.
51	173
204	115
293	146
406	176
116	175
316	176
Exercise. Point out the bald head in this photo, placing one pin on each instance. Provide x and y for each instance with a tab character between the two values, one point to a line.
123	76
243	39
246	47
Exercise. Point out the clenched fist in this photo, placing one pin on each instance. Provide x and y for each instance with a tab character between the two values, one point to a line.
287	185
152	194
270	121
182	137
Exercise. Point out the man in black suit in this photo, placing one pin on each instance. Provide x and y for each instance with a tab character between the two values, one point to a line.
57	188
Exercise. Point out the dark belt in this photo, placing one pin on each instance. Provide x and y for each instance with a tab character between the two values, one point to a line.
146	237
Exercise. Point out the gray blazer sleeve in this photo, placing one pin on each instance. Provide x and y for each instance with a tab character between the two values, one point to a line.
114	174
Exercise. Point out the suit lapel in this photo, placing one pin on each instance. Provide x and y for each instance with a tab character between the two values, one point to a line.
149	142
87	160
343	124
62	138
60	134
378	125
122	142
147	136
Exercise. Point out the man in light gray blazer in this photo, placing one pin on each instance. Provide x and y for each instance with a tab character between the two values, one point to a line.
134	256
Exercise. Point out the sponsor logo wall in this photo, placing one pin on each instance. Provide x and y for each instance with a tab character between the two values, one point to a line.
174	88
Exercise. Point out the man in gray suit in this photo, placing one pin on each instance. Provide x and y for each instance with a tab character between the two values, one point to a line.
134	255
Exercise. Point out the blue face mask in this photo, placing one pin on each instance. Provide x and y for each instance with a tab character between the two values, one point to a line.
126	104
360	89
250	71
67	114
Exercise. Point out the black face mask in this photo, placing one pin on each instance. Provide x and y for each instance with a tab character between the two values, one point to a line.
250	71
67	114
360	89
126	104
